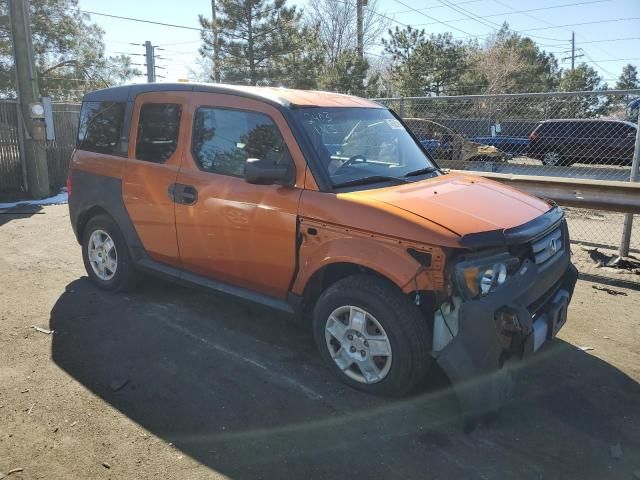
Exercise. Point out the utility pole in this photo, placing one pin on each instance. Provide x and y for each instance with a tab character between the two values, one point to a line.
360	27
151	61
573	52
216	53
28	95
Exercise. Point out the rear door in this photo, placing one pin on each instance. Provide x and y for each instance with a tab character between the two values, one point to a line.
228	229
602	142
582	137
623	142
158	133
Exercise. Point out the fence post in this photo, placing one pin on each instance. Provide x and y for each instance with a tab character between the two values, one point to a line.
401	113
625	243
21	151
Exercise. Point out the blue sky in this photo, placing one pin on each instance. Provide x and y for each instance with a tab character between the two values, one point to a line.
544	21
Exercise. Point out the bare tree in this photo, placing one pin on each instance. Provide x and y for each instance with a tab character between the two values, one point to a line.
335	22
498	64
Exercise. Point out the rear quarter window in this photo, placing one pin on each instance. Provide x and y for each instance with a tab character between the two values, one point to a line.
158	130
553	129
100	127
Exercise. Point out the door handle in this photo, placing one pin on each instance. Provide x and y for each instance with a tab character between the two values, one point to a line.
183	194
188	195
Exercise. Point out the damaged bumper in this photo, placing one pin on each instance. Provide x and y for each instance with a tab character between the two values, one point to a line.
511	322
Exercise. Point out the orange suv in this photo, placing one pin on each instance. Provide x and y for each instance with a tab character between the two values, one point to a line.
326	206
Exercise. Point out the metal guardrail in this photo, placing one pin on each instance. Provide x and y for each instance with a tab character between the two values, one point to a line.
572	192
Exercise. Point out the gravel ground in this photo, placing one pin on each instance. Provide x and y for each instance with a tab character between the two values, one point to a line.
169	382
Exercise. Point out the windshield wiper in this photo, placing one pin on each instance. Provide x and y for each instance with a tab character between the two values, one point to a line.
370	179
421	171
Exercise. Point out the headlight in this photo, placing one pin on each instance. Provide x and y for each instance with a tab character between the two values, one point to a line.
481	276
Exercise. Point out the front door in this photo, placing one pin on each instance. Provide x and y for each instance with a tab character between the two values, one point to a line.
228	229
158	134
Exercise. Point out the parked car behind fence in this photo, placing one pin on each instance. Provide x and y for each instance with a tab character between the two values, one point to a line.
564	142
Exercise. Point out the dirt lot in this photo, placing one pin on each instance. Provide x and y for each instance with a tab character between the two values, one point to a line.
169	382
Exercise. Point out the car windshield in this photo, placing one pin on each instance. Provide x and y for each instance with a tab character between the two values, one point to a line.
359	144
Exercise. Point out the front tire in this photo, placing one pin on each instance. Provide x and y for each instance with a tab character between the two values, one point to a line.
106	256
371	335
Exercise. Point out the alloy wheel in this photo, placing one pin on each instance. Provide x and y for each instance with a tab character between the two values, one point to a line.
358	344
103	255
552	159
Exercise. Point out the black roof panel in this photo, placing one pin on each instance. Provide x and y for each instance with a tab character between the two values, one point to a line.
126	93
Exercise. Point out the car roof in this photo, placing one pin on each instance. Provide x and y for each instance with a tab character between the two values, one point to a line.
286	97
587	120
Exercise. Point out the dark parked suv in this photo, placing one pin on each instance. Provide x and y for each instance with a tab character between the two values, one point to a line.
563	142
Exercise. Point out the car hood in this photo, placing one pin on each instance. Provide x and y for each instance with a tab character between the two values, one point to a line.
462	204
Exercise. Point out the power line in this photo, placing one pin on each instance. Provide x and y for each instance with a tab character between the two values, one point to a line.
514	12
493	25
432	18
573	42
583	23
610	40
142	20
433	7
604	40
179	43
467	13
595	62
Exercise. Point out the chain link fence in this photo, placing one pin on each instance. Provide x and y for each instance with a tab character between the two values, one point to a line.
10	166
12	169
582	135
65	121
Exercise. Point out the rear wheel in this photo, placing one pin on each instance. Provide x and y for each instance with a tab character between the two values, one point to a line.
106	255
555	158
372	336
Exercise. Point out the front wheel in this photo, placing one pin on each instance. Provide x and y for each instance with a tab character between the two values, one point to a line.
371	335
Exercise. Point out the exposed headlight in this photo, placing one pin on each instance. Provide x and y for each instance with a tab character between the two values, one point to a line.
481	276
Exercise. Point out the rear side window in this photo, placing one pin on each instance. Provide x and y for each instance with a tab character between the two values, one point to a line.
554	129
224	139
100	127
158	128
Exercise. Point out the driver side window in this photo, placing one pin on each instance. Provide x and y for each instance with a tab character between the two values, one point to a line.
224	139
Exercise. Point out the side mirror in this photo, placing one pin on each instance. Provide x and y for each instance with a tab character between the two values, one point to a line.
265	172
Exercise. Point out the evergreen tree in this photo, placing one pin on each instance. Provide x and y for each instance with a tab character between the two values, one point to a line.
425	65
69	52
628	78
582	79
347	75
255	37
303	67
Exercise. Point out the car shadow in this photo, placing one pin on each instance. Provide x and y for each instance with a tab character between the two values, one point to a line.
241	390
18	212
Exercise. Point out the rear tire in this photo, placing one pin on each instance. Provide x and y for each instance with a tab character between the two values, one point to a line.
371	335
106	256
555	158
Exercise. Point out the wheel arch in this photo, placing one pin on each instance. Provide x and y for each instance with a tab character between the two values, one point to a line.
87	215
331	273
327	275
95	194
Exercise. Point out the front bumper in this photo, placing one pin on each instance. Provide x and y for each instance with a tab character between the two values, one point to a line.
537	298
